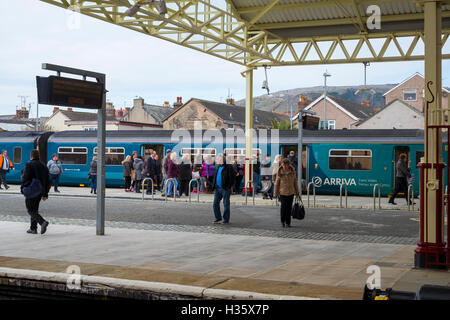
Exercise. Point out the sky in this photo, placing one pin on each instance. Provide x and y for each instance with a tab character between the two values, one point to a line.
33	32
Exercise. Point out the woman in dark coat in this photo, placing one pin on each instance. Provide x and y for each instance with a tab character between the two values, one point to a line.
127	167
93	174
185	174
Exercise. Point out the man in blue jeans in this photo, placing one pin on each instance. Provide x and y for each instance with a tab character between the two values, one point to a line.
223	182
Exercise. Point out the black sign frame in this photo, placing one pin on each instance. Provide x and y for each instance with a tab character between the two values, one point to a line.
69	92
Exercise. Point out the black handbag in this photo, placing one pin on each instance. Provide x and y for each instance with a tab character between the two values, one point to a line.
34	189
298	209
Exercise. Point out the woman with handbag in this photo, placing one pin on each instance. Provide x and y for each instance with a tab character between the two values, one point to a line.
127	168
286	187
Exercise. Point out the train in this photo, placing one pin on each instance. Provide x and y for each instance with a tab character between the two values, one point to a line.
356	158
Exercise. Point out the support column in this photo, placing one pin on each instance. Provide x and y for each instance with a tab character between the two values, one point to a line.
248	129
431	247
101	141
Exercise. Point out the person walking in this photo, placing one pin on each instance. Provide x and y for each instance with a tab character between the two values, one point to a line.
293	160
401	175
164	169
196	173
5	166
93	174
257	174
286	187
238	167
133	172
34	169
150	171
55	170
138	166
223	182
185	174
127	167
158	171
210	173
172	173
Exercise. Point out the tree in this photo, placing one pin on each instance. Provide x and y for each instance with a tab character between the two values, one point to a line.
283	125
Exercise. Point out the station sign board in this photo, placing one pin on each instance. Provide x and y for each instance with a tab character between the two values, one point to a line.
60	91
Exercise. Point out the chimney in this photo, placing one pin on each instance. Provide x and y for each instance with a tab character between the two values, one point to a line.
230	101
110	111
55	109
22	113
179	103
69	109
138	102
166	104
303	102
119	113
127	109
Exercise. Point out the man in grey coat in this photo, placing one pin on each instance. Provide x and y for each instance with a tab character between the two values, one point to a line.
401	175
55	170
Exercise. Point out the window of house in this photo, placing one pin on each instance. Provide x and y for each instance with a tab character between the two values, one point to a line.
72	155
331	124
17	155
113	156
344	159
409	95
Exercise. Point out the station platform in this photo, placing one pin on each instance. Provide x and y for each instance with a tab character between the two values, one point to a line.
322	201
227	263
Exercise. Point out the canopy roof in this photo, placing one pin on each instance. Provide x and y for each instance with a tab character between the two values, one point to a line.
278	32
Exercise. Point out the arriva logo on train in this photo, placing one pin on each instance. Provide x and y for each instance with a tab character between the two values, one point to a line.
318	182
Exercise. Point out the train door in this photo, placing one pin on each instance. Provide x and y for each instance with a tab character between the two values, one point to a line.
398	150
147	148
285	150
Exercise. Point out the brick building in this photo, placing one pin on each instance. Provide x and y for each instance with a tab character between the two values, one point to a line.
411	91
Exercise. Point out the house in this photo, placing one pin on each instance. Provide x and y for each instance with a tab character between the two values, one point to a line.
147	113
215	115
396	114
340	113
16	125
411	91
68	119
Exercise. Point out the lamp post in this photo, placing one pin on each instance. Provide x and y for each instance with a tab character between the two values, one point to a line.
325	122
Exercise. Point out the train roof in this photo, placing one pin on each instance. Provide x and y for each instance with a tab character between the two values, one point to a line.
369	133
13	134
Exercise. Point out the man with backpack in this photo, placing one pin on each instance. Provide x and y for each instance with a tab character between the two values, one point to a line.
35	186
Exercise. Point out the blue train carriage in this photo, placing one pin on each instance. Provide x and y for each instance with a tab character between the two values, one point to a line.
19	144
361	159
76	149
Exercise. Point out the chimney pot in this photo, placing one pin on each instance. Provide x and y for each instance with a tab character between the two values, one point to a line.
55	109
69	109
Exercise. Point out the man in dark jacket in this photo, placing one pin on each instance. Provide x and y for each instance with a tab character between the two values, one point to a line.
150	171
293	159
401	175
36	169
223	182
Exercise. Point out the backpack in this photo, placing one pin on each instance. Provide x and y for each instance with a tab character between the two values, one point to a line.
35	188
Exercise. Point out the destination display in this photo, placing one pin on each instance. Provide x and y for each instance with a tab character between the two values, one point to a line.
60	91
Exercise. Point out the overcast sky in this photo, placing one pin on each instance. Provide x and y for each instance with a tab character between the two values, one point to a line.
33	32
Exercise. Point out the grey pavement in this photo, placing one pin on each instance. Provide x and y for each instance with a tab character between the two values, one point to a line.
322	201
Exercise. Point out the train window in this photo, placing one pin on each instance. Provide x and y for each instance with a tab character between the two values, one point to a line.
240	152
350	160
72	155
113	156
17	155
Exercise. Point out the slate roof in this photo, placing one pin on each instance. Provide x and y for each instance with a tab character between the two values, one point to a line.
358	110
83	116
232	114
159	113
